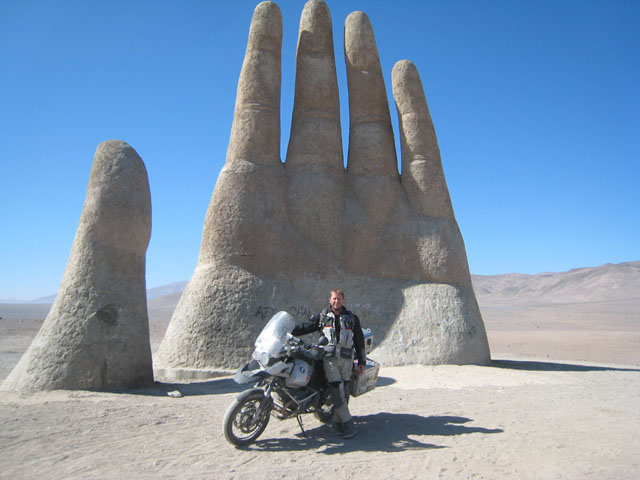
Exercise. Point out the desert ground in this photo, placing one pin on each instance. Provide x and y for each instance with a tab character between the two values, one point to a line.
560	401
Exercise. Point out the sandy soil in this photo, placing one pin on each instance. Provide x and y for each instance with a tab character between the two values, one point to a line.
604	331
540	411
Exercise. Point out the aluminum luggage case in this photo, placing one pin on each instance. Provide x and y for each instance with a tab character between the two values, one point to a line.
366	382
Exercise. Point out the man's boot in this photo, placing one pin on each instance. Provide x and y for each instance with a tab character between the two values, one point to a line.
338	427
349	429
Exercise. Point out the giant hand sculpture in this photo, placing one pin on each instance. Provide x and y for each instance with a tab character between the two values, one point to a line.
280	236
96	335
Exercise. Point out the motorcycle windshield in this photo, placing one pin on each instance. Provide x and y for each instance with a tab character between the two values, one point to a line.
273	337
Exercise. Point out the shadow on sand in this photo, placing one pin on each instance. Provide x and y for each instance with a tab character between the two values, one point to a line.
382	432
555	367
217	386
224	385
385	381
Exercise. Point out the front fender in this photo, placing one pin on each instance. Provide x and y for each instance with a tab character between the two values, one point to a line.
250	373
247	393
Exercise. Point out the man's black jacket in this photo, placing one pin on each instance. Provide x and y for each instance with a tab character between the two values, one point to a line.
315	325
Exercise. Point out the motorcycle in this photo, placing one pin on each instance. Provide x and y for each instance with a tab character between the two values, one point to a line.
289	381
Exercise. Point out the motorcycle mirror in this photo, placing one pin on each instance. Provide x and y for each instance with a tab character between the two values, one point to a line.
323	341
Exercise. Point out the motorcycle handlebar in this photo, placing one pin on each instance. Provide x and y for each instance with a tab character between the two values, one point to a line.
310	351
298	341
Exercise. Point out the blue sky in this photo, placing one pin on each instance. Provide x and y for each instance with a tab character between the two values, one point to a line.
535	103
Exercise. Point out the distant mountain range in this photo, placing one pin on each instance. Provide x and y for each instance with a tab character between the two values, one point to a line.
607	282
176	287
47	299
604	283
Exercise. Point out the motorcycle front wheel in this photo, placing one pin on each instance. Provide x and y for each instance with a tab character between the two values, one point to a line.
242	425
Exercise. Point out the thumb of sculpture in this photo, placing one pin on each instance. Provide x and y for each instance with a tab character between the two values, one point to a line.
96	335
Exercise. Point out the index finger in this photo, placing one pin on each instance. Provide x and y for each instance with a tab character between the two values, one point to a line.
255	134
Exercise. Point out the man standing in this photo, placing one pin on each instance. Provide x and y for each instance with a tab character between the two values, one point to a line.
344	333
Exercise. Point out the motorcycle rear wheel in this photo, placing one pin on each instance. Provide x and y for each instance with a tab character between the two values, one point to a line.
240	425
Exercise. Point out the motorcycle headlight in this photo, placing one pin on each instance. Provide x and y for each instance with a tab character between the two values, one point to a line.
264	358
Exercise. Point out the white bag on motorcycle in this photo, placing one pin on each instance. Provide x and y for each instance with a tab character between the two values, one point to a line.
300	373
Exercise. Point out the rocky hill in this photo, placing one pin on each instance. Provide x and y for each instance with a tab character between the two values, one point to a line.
607	282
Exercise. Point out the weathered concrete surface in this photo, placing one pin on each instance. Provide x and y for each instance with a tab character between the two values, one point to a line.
96	335
280	236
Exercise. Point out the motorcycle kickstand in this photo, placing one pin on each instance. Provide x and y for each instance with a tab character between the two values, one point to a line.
301	427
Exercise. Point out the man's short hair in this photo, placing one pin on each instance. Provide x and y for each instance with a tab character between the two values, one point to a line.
337	291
